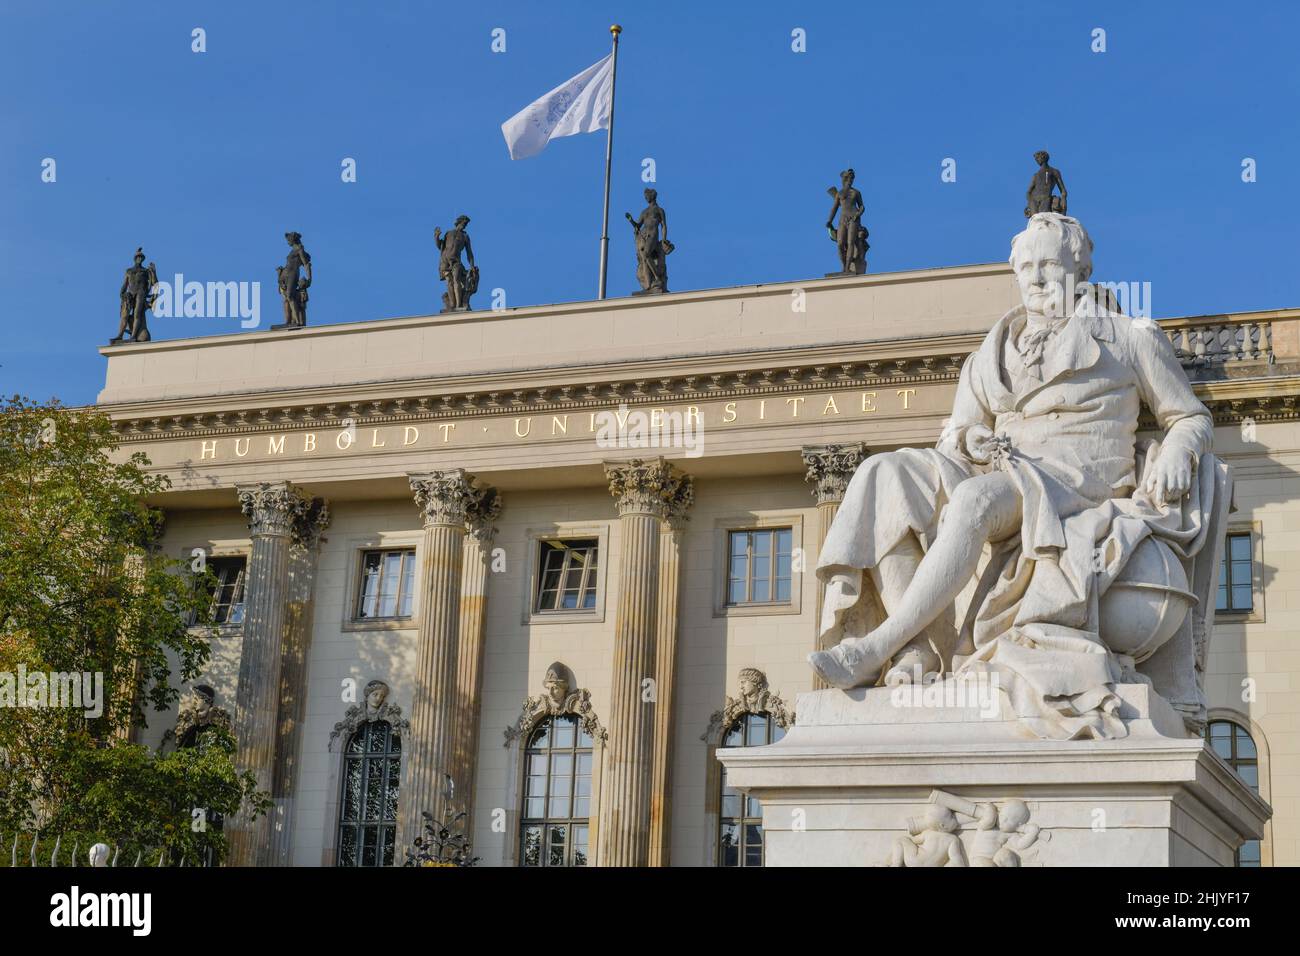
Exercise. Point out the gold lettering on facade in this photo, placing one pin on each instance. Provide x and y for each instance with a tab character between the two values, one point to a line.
591	422
374	439
657	417
527	428
692	415
275	446
208	449
907	394
868	401
447	429
762	409
795	405
410	435
340	444
559	426
238	452
831	407
309	442
728	413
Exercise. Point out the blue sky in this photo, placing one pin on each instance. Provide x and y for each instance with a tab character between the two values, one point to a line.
207	159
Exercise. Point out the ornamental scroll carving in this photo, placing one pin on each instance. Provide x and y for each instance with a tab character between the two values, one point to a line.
375	706
557	700
755	698
653	487
831	467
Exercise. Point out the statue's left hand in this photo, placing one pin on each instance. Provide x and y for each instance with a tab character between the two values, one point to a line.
1171	476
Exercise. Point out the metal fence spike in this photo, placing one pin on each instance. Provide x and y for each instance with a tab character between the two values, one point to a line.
36	841
54	857
13	860
116	851
139	854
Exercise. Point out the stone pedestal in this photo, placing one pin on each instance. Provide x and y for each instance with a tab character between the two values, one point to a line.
951	762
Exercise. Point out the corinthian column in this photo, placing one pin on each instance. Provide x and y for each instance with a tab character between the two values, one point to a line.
483	510
642	491
829	469
670	549
293	670
444	498
273	509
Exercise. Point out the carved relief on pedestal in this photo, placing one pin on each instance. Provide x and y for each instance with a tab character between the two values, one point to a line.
653	487
755	698
375	706
830	468
557	700
1000	834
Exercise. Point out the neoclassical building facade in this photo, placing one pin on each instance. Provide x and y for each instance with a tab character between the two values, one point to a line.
559	555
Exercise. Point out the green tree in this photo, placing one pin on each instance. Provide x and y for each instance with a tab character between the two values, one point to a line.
82	591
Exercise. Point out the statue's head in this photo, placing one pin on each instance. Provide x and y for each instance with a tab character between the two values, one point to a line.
139	255
1051	256
293	238
752	681
376	694
848	176
651	195
1041	157
1012	815
941	818
556	682
462	222
204	696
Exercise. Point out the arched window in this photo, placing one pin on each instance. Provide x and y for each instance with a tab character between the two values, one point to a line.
372	763
555	817
740	818
1233	743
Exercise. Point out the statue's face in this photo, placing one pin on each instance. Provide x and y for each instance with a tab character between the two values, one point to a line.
748	687
375	699
847	180
1042	263
557	687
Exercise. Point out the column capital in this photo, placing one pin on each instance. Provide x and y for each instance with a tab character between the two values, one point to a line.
443	497
311	524
484	508
273	508
831	466
650	487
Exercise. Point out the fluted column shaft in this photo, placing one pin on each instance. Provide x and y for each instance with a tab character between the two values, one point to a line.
272	510
670	546
830	468
642	491
443	497
469	657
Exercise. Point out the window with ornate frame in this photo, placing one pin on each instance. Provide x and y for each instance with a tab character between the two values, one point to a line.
1234	744
386	591
554	828
367	826
740	817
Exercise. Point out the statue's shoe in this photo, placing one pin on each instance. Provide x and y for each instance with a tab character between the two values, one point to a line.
916	665
847	667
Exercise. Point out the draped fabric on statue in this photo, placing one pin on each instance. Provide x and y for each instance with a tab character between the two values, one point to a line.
1069	445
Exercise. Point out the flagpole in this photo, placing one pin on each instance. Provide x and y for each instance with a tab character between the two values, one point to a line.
609	156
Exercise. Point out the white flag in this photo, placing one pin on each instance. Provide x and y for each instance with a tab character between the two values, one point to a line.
579	105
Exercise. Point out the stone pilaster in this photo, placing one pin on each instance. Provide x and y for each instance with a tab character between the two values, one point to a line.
830	467
303	552
273	510
444	499
643	491
670	549
481	514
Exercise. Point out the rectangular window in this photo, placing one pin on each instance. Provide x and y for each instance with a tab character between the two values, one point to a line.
387	585
567	578
228	595
1236	576
758	570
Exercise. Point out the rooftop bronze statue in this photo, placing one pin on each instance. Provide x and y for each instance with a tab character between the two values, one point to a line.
652	245
136	296
461	282
850	235
293	287
1039	196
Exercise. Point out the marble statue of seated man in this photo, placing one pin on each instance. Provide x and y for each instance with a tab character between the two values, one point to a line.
1090	546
